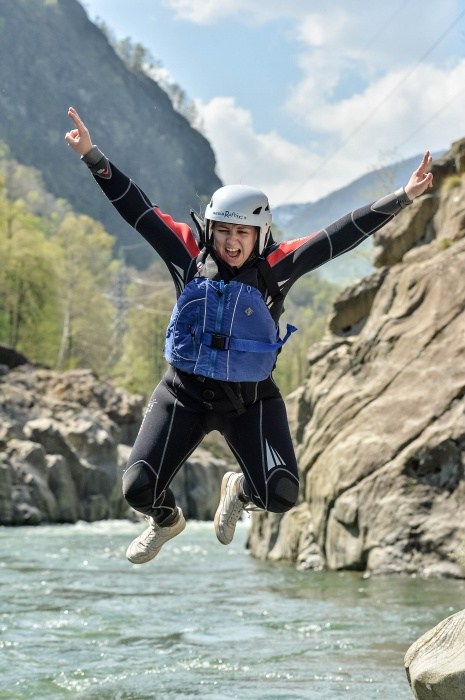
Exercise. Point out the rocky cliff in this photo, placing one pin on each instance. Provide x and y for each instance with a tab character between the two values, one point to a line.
64	439
379	423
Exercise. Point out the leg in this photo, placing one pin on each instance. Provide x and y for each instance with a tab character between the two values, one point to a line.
168	435
261	441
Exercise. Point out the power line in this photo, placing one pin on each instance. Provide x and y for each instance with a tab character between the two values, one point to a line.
394	15
431	118
379	105
379	31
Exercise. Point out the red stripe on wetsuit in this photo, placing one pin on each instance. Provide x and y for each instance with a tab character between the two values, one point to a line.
286	248
182	231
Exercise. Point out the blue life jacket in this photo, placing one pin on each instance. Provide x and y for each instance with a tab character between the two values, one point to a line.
223	331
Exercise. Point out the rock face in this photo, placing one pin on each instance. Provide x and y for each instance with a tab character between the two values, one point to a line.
379	423
64	440
435	663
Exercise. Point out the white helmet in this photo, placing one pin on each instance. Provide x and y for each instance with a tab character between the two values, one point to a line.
240	204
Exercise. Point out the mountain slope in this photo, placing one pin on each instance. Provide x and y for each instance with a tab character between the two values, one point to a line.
52	56
295	219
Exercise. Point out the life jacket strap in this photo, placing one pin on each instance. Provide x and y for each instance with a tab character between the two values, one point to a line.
237	400
226	342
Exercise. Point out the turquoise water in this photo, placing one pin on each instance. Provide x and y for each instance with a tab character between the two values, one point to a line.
201	621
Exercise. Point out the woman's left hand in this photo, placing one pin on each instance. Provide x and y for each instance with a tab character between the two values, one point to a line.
420	179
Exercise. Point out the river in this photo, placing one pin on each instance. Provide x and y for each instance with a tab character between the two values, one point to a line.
201	621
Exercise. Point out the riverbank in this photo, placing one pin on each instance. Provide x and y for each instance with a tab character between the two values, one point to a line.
65	438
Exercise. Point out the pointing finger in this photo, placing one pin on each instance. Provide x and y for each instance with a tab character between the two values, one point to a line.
75	117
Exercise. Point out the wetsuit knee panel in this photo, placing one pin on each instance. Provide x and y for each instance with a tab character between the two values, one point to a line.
139	486
283	492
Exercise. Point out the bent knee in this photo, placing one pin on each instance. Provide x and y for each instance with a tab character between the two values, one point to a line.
138	486
283	495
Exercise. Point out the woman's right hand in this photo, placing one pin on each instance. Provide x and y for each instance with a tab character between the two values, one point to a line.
78	138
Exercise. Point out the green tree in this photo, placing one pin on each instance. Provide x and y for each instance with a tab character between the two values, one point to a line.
56	276
27	281
307	307
149	303
86	270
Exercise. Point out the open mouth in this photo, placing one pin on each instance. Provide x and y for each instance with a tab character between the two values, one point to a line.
233	252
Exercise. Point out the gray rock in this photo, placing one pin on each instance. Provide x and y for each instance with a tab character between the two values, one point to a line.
379	423
64	489
65	440
32	499
197	485
6	491
435	663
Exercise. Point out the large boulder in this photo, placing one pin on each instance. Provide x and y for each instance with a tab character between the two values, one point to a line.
197	485
59	445
435	663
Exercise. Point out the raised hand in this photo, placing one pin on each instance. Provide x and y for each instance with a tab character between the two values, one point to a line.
420	179
78	138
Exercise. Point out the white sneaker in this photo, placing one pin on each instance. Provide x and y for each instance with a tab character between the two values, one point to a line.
230	507
148	544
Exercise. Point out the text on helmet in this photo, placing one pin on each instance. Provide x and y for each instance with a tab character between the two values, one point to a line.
228	214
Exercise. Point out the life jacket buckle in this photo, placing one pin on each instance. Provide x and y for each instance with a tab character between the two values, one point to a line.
220	342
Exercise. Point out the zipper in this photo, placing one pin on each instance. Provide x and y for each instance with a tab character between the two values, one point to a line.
218	321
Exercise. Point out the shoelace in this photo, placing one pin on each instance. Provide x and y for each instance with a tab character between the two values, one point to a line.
252	508
150	532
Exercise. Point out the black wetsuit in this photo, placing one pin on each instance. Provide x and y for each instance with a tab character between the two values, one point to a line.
184	407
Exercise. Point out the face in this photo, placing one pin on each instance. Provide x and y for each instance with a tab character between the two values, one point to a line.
234	243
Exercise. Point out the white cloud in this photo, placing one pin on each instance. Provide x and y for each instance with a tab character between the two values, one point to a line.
204	11
372	89
389	109
323	29
264	160
365	131
211	11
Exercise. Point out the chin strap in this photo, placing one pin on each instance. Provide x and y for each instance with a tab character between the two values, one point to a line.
199	228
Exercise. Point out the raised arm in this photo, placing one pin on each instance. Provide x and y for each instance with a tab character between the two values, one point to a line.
173	241
292	259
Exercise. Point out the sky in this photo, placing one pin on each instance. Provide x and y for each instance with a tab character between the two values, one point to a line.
301	97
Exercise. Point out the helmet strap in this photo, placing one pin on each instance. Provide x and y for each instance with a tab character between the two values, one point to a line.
199	228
